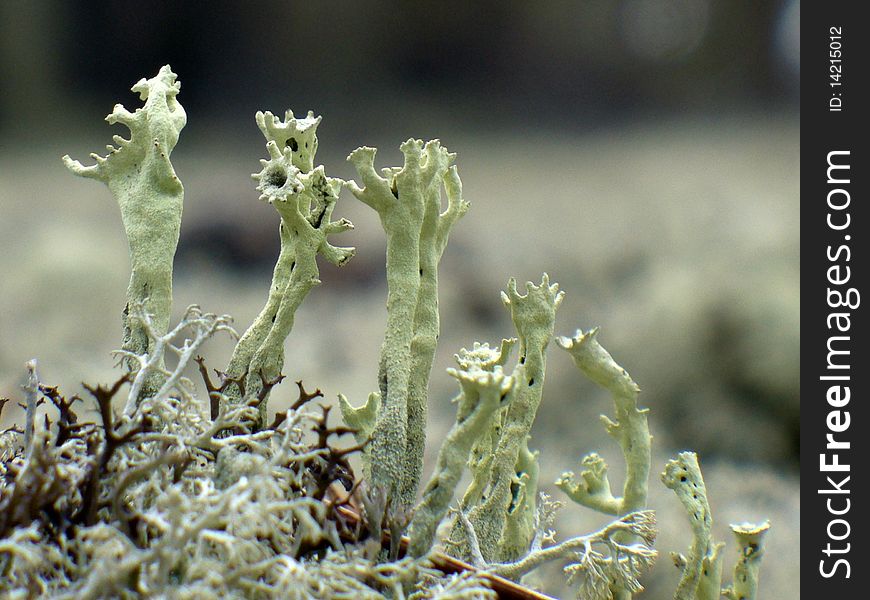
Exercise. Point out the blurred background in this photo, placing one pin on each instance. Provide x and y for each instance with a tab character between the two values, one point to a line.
642	152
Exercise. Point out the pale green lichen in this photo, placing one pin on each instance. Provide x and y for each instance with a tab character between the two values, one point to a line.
520	524
750	550
702	568
296	136
141	178
408	202
483	391
630	430
505	476
362	420
305	199
483	451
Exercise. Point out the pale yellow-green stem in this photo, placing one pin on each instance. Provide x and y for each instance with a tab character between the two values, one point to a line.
305	201
750	550
483	392
702	568
630	430
407	201
533	315
142	180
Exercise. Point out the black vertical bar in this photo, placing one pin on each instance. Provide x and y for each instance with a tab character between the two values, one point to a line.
835	223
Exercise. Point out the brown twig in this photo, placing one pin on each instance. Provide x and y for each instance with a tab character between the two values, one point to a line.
111	442
506	589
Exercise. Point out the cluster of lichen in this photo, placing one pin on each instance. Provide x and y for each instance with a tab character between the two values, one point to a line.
190	498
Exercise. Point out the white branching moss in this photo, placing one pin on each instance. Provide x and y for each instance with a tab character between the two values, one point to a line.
149	364
464	586
594	561
157	504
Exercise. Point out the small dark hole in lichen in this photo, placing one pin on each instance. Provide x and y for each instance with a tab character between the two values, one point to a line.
515	497
294	145
318	218
522	360
531	382
683	479
276	178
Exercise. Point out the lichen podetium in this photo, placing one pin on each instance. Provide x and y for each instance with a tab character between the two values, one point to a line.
142	179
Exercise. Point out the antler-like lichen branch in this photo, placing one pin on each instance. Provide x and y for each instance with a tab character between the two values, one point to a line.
408	202
509	476
483	392
305	199
702	568
141	178
630	430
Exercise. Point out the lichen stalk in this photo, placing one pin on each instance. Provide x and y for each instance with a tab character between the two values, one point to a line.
630	430
403	198
483	451
750	551
31	393
702	568
483	392
533	315
305	200
307	216
520	522
286	135
143	182
434	233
